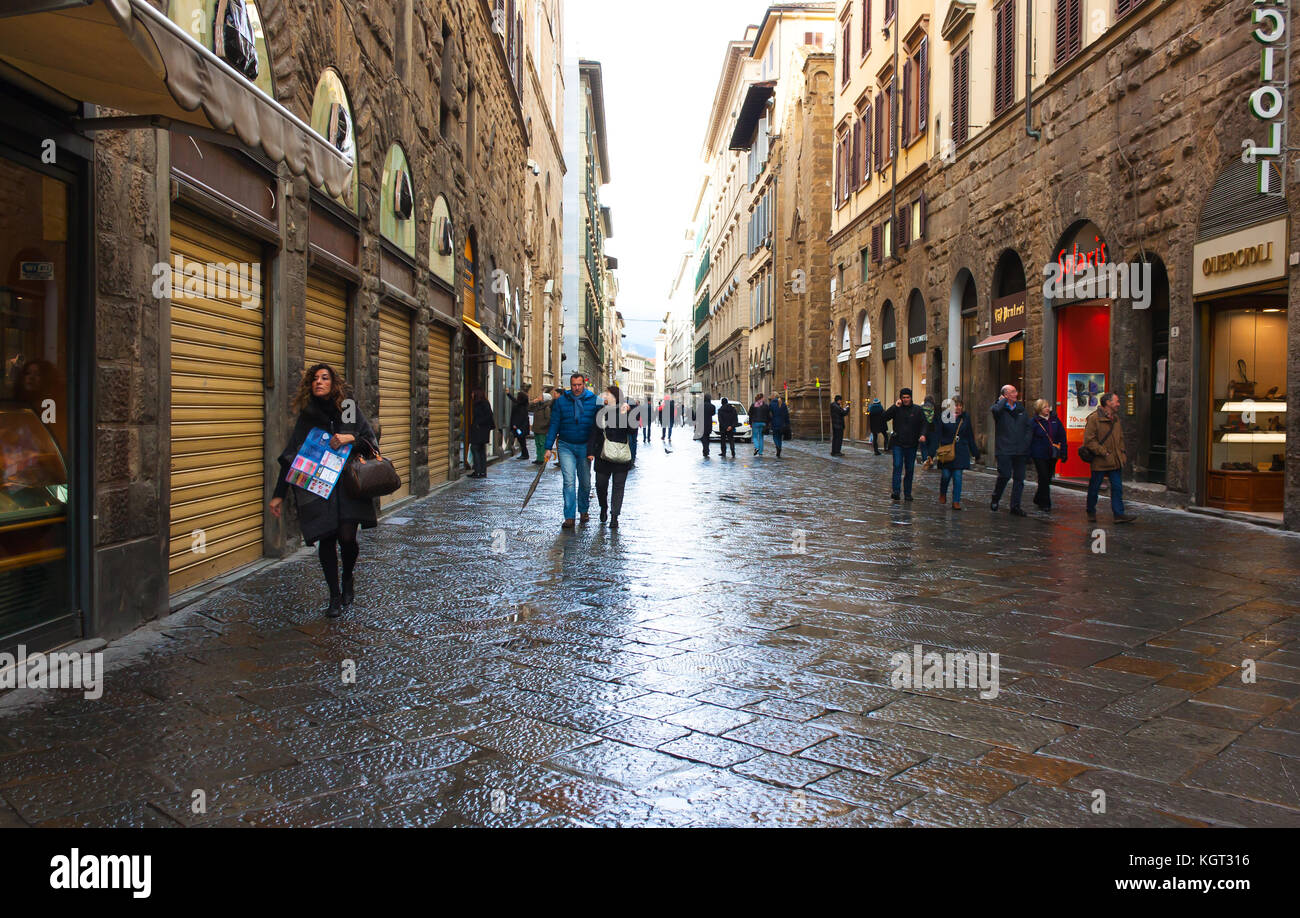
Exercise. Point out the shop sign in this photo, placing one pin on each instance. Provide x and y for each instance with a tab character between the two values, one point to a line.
1247	256
1008	314
36	270
1267	101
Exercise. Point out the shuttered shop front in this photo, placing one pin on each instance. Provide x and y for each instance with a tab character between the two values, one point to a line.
217	401
395	394
327	317
439	404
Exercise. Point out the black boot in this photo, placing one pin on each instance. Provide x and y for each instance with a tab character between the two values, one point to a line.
613	524
604	514
336	606
347	591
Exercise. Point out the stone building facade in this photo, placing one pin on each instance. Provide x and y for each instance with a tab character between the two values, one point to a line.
1131	139
407	281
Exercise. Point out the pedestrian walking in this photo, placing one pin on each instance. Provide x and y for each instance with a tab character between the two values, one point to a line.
780	421
908	421
876	422
330	524
1103	450
728	419
572	417
667	418
931	433
958	434
1046	448
838	413
519	422
644	419
542	423
481	425
759	415
612	447
1012	433
630	409
704	422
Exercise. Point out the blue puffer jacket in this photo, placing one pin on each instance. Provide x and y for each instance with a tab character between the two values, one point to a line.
572	419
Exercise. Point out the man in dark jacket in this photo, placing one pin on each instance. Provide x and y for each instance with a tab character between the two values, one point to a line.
838	413
519	421
704	421
728	419
667	418
909	433
572	417
1012	432
780	421
876	418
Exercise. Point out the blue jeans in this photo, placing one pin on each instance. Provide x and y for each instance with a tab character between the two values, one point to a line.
574	465
631	442
904	456
1116	479
953	475
758	436
1012	469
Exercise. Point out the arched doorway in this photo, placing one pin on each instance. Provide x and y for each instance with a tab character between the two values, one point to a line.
472	368
863	355
916	343
842	360
963	332
889	353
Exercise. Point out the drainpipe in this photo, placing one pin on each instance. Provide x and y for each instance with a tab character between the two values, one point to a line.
1029	71
895	124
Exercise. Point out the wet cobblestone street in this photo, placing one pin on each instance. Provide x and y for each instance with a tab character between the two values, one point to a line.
723	659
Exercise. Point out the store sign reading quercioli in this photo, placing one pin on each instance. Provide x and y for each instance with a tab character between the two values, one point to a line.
1267	101
1247	256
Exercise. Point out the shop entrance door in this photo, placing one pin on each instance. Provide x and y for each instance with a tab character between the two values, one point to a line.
36	571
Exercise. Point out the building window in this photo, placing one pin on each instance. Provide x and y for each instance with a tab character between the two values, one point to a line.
961	96
891	8
846	52
865	165
916	90
888	233
866	28
1124	7
865	254
1004	56
1069	30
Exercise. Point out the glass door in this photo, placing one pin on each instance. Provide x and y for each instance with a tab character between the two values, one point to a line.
35	414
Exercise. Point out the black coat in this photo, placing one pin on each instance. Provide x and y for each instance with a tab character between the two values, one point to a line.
727	417
519	414
1013	428
909	424
481	423
319	518
615	433
876	416
959	432
759	414
838	413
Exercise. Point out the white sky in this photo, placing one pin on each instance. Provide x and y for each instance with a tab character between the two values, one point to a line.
661	62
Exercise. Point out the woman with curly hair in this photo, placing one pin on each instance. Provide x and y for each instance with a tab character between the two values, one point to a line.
321	402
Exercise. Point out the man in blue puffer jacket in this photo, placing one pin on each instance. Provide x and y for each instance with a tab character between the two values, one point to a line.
572	416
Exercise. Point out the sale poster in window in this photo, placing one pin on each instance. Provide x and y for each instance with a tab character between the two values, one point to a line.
317	466
1083	392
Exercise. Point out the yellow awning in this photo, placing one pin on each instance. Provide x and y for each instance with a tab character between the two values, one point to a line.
125	55
501	359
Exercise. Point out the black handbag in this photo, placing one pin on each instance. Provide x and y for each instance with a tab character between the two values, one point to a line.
366	479
1088	455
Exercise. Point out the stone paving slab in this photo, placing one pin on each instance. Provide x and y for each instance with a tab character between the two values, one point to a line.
686	671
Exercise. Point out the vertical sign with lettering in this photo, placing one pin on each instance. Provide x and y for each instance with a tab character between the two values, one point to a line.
1267	102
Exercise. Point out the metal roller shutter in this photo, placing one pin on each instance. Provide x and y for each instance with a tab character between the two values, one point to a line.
395	395
327	318
217	405
439	404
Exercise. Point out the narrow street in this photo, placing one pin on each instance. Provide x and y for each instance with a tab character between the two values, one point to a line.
723	659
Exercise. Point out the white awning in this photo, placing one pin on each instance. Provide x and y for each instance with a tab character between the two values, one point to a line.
125	55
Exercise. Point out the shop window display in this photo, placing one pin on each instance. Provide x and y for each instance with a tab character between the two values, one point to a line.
1248	408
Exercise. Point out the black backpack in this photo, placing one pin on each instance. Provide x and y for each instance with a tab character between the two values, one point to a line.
234	37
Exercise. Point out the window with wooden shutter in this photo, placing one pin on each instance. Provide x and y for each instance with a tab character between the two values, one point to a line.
857	155
920	216
907	86
892	92
1069	30
961	96
1004	56
875	242
880	131
847	54
839	172
866	28
866	144
904	224
1124	7
923	81
891	7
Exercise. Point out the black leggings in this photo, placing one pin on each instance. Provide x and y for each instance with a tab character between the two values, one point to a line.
346	540
602	490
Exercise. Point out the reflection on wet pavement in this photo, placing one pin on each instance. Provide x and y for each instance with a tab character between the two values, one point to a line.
724	659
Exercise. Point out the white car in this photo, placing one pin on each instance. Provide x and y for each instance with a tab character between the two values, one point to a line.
743	430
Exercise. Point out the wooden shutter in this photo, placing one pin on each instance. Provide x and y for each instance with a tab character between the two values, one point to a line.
923	79
866	145
1004	57
855	173
839	172
880	131
960	96
848	52
440	402
875	242
1123	7
904	223
920	203
907	97
893	119
866	27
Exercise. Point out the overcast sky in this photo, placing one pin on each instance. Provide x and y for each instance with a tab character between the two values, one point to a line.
661	64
